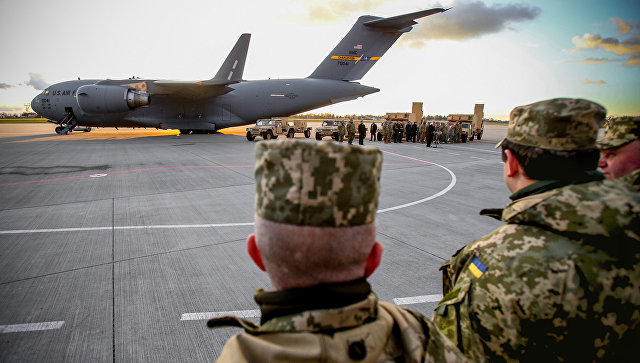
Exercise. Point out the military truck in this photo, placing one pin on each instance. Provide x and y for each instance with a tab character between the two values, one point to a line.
472	124
328	128
270	129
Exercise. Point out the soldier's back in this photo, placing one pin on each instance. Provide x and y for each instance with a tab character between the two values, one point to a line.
560	280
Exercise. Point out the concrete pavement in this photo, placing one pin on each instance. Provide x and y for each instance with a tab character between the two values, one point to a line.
112	242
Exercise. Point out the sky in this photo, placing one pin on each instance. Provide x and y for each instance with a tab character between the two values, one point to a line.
500	53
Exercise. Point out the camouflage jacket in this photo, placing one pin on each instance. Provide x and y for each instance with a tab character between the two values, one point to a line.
559	281
632	178
341	129
351	128
363	331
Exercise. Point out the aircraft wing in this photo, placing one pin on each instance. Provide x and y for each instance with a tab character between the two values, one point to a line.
191	89
230	72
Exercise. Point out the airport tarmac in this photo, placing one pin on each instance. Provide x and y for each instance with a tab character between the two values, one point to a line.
117	245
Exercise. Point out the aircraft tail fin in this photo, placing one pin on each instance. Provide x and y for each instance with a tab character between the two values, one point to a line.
369	38
232	68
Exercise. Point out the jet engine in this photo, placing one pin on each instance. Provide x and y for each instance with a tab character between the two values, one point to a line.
106	99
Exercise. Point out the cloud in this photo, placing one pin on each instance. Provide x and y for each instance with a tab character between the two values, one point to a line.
471	19
623	26
594	60
324	11
36	80
633	61
628	46
611	44
4	108
588	81
6	86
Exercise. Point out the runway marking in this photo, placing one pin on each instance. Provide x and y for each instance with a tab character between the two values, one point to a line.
256	313
417	299
218	225
442	192
18	328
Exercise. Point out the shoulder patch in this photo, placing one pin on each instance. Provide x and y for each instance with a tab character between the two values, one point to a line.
477	268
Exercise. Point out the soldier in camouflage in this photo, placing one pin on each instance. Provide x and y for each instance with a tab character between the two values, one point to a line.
561	279
620	148
351	131
315	233
457	131
341	131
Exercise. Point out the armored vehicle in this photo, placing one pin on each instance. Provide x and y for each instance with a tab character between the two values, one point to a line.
272	128
328	128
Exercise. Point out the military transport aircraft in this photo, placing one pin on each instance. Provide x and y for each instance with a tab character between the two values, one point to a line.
226	99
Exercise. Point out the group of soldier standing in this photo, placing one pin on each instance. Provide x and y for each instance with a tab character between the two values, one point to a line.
425	132
396	131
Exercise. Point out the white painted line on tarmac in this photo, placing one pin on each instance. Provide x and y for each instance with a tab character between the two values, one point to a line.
256	313
475	157
18	328
417	299
89	229
442	192
216	314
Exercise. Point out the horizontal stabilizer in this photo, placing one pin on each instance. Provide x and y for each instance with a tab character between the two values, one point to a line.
402	21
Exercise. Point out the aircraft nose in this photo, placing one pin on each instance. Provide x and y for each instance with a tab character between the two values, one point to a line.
35	104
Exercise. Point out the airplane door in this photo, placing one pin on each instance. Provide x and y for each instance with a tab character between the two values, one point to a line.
226	113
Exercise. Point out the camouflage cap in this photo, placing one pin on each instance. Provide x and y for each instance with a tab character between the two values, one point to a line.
556	124
622	131
322	184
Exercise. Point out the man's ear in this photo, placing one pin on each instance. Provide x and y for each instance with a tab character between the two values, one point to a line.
253	251
513	166
373	261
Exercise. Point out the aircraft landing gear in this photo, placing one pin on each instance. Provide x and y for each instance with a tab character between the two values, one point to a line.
67	124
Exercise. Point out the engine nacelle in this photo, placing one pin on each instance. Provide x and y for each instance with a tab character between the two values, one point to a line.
106	99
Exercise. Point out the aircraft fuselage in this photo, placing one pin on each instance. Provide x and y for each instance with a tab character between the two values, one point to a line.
245	103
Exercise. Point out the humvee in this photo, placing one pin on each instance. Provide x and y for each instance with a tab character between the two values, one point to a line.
328	128
272	128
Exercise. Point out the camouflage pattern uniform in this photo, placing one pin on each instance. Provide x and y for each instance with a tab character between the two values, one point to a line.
325	184
423	132
457	131
398	129
633	179
622	131
561	279
341	131
351	132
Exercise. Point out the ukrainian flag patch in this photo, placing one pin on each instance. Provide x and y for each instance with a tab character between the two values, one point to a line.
477	268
